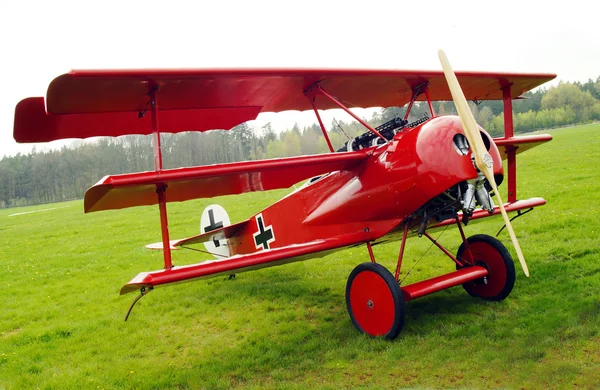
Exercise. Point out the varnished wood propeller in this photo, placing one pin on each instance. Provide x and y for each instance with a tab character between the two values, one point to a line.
483	160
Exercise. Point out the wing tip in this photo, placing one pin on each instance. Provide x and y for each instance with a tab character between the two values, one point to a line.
131	287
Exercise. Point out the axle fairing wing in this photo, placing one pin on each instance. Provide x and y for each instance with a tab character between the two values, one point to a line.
480	214
88	103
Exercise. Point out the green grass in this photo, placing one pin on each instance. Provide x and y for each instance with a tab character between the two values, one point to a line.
61	319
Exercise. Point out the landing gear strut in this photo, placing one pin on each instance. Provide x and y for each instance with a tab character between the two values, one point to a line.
376	302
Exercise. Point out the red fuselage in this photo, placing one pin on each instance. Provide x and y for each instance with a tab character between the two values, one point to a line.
374	198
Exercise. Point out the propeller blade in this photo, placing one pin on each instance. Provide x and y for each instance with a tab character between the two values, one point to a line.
483	160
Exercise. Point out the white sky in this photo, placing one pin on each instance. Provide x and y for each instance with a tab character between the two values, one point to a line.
40	40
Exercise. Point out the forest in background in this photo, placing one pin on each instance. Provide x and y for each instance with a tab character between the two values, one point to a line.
65	174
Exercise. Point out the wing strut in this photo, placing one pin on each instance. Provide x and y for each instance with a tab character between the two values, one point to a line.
323	129
320	90
511	153
161	188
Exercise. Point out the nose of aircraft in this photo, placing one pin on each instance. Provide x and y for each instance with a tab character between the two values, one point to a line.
444	155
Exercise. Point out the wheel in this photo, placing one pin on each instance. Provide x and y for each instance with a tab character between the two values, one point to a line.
491	254
374	301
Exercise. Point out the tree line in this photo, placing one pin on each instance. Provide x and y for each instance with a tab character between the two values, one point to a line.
64	174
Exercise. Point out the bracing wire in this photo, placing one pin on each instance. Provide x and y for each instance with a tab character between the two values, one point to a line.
338	125
423	255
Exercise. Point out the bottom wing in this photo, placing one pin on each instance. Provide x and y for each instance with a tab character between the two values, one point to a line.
278	256
240	263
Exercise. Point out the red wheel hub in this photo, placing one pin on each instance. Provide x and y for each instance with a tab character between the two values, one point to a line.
485	255
372	303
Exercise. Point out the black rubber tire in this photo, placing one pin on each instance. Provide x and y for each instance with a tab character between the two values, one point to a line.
397	319
493	255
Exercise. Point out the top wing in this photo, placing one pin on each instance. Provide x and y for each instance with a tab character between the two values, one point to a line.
137	189
33	124
88	103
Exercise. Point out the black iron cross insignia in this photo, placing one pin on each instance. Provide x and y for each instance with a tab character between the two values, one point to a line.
265	235
213	226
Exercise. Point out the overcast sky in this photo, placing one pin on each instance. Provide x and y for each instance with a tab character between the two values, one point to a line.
40	40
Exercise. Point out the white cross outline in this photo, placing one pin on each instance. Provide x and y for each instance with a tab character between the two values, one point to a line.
270	227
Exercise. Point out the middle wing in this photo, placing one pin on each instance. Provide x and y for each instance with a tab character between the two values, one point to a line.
139	189
520	144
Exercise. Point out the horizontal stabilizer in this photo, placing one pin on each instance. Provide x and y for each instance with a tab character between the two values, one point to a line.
217	234
159	245
139	189
241	263
521	143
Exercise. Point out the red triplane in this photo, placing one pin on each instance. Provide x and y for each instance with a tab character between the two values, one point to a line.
391	182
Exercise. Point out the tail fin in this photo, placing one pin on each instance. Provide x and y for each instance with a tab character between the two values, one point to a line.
215	217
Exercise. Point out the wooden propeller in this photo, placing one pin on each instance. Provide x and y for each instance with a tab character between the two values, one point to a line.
483	160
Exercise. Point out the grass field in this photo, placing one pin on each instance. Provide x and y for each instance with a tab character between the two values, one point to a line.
61	318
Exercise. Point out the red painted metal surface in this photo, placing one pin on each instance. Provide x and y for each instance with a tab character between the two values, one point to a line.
496	279
401	253
323	129
480	214
360	196
217	234
160	187
195	99
520	143
508	112
72	92
254	261
155	131
441	247
429	286
511	167
510	150
32	124
437	162
366	201
353	115
464	240
372	303
371	252
429	102
164	226
137	189
408	109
